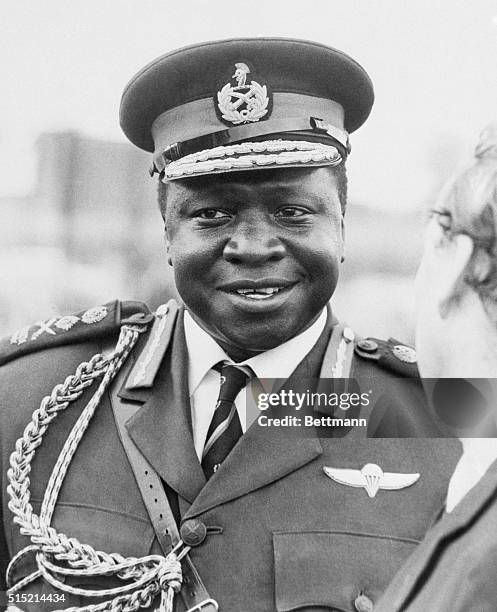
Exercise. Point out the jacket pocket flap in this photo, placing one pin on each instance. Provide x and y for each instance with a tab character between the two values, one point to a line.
105	530
316	570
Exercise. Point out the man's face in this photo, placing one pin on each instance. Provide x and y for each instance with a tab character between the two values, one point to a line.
255	254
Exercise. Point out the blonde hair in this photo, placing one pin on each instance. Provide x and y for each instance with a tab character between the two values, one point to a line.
470	199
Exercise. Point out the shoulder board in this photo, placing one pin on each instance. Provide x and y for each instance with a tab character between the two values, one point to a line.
91	324
392	355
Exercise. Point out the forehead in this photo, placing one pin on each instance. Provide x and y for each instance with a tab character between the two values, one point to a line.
280	183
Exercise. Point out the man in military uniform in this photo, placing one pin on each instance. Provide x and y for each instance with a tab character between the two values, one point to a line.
137	477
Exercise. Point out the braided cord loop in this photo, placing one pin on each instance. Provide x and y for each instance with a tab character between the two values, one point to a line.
57	554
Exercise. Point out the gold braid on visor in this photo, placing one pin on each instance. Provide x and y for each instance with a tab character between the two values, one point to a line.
253	155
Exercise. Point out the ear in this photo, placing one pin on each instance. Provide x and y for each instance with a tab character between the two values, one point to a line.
457	257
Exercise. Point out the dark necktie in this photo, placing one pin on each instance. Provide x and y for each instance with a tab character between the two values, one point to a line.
225	428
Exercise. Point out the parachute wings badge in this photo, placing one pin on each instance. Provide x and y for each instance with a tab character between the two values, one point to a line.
243	103
372	478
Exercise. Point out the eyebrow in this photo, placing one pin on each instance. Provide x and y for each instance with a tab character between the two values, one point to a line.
276	193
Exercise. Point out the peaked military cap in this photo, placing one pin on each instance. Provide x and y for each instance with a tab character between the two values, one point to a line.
245	104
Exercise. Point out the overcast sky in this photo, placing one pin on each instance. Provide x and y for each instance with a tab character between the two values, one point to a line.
433	63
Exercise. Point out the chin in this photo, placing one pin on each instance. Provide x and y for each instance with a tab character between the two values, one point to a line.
258	344
245	346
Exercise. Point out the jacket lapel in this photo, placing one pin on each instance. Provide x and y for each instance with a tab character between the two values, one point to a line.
265	454
464	513
161	428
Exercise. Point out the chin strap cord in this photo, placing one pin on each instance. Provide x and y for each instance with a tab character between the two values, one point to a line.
58	555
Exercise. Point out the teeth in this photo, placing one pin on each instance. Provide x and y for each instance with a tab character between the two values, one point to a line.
259	294
269	290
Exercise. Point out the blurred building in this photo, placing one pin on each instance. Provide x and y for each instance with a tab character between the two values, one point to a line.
100	194
91	231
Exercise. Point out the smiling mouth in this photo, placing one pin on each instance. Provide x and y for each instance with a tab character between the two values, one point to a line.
269	289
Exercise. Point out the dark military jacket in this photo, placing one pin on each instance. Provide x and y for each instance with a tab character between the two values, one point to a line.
453	569
281	534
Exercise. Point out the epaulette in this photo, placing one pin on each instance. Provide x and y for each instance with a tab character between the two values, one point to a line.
390	354
92	324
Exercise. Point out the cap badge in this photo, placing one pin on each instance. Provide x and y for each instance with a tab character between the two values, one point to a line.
372	478
245	102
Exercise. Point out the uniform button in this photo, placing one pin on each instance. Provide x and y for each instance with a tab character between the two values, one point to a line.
368	346
193	532
362	603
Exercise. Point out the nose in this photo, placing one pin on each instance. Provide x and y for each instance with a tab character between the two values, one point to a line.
253	243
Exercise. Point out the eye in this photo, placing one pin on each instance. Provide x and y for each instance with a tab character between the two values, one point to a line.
291	212
212	214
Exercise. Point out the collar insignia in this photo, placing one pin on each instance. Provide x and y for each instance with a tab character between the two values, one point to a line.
372	478
245	102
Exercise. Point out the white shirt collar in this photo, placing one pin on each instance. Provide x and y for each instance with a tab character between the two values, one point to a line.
478	455
480	451
204	352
